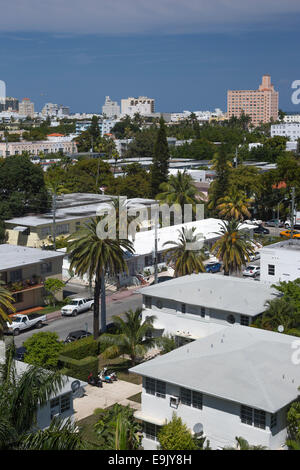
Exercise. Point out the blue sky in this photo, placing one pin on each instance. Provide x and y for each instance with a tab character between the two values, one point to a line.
185	58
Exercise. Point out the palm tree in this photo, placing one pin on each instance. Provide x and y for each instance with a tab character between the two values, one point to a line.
242	444
280	312
6	306
96	256
186	254
21	395
233	247
234	205
180	190
133	338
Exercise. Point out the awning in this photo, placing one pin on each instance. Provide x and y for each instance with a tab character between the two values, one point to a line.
149	419
19	228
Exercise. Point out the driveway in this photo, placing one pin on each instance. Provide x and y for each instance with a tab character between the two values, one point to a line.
108	395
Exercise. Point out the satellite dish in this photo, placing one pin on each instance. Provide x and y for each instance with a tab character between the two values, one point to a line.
280	328
198	428
75	385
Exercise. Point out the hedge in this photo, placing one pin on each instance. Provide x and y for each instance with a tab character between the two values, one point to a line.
82	348
79	369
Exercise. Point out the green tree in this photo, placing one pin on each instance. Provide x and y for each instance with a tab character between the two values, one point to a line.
95	257
233	246
133	337
176	436
234	206
160	163
185	255
53	286
222	165
293	425
43	349
242	444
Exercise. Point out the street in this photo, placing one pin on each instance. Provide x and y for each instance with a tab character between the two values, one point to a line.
63	325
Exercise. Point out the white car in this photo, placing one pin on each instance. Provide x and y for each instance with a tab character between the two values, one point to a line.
254	257
76	306
251	271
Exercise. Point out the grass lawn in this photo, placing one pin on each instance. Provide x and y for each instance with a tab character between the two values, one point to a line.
86	426
137	397
120	366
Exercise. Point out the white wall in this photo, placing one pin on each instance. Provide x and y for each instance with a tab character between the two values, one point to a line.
286	262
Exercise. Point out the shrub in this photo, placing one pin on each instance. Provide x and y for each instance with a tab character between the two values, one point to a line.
79	369
82	348
43	349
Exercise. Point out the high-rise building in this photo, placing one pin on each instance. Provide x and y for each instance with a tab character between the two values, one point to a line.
51	109
11	104
261	105
110	108
141	105
26	107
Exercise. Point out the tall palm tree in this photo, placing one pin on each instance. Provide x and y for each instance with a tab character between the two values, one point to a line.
133	338
180	190
233	247
234	206
95	256
186	255
21	395
6	300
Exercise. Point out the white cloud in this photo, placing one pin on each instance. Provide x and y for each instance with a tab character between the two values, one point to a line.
143	16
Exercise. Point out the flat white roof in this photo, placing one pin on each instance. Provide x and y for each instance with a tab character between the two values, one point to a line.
209	228
15	256
228	293
289	245
245	365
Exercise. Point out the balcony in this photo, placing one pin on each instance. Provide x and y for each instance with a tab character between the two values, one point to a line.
27	284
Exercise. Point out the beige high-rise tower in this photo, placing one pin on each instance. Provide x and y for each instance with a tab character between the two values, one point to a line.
261	105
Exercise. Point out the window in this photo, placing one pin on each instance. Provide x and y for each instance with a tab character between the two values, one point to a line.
273	421
45	231
197	400
183	308
244	320
148	301
271	269
16	276
18	297
253	417
63	228
155	387
65	402
150	386
46	268
186	396
151	431
202	312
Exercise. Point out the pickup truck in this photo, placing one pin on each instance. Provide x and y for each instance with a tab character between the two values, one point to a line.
77	305
23	322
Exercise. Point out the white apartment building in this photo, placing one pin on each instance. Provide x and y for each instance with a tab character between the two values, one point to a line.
141	105
54	145
110	108
234	382
51	109
280	262
289	130
292	118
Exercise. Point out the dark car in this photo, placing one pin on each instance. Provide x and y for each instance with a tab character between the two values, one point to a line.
75	335
213	267
162	279
261	230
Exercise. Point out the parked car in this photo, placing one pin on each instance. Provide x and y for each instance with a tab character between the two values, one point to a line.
213	267
253	222
77	305
261	230
254	257
274	223
287	234
75	335
23	322
162	279
251	271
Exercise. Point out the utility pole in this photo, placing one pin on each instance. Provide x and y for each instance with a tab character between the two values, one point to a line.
293	213
54	218
155	244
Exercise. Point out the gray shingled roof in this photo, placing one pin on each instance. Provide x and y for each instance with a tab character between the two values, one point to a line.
14	256
245	365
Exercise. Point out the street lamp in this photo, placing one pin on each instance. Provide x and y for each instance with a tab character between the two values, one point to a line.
284	199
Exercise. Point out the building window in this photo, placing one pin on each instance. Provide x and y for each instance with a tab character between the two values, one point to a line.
186	396
46	268
197	400
63	228
45	231
150	386
271	269
148	301
244	320
202	312
16	276
253	417
183	308
151	431
18	297
160	389
273	421
65	402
